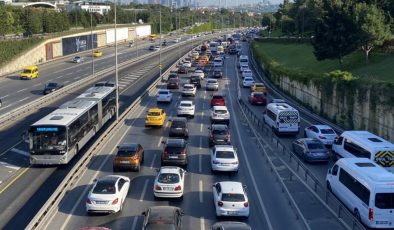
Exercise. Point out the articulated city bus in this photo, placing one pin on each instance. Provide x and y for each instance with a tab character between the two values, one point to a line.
57	138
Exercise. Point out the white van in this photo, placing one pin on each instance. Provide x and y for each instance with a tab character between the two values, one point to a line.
243	59
365	144
282	118
365	188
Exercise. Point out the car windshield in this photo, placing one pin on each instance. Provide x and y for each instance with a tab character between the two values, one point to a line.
104	187
185	105
178	124
315	145
164	92
384	200
220	111
217	97
258	95
219	131
225	154
26	71
248	79
212	82
153	113
173	80
168	178
188	87
174	149
327	131
233	197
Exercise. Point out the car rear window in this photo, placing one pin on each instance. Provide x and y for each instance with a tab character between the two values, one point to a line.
259	95
126	153
212	82
219	111
168	178
233	197
173	80
154	114
163	92
384	200
219	131
178	124
217	97
315	145
327	131
174	149
104	187
186	105
225	154
188	87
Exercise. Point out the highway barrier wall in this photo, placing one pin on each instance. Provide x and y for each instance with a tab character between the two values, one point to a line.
55	48
355	104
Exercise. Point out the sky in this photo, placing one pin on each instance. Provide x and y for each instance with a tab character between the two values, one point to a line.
234	2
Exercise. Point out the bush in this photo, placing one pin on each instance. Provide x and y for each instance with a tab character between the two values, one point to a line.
12	48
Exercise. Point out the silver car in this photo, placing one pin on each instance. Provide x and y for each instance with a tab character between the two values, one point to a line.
212	84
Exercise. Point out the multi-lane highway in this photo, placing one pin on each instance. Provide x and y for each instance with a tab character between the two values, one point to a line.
25	188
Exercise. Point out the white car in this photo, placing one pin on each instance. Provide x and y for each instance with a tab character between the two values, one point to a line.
218	62
189	90
200	73
212	84
156	48
230	199
187	64
78	59
169	182
277	100
244	67
224	158
324	133
247	82
186	108
108	194
220	114
164	95
247	73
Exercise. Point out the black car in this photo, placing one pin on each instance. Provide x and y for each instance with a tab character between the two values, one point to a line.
173	83
196	80
311	150
182	70
231	225
232	50
51	86
152	47
179	127
217	73
219	134
173	75
163	217
164	43
175	152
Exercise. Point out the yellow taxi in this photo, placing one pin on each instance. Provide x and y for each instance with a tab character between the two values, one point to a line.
97	53
259	87
29	72
155	117
196	55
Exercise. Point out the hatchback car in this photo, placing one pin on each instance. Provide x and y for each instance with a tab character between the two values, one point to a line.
173	83
175	152
200	73
218	99
219	134
259	87
128	156
108	194
164	95
224	158
189	90
179	127
187	64
162	217
230	225
97	53
311	150
230	199
186	108
78	59
212	84
29	72
247	73
257	98
51	87
324	133
220	115
169	182
155	117
243	67
217	73
247	82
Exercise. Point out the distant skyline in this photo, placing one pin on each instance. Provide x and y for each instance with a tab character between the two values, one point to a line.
213	2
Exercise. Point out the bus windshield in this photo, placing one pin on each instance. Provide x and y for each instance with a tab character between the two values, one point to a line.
48	139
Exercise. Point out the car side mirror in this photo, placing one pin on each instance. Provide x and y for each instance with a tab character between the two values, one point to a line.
143	213
95	180
244	186
117	147
209	128
163	142
329	171
181	213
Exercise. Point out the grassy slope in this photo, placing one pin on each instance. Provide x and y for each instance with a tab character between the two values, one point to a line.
300	56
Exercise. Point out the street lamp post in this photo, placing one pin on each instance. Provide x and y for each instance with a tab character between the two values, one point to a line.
116	68
91	37
160	65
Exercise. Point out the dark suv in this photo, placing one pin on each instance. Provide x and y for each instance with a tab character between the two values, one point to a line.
195	80
219	135
175	152
217	73
179	127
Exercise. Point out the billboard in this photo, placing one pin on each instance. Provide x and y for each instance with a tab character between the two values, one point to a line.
77	44
121	34
143	31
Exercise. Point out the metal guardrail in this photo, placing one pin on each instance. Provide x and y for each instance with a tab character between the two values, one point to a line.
23	111
50	206
331	202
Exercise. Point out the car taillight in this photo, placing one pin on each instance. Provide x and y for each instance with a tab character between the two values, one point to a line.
322	137
177	188
165	152
246	204
157	187
227	137
115	201
220	203
215	162
135	157
183	152
88	201
235	163
370	214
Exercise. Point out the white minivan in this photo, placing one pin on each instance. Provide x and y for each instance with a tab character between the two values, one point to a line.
365	144
365	188
282	118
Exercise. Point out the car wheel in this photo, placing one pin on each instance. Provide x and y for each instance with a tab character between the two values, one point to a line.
114	169
357	215
328	185
138	167
143	157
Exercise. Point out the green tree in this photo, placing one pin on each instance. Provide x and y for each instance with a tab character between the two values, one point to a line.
335	34
49	22
7	21
33	22
373	25
288	25
268	21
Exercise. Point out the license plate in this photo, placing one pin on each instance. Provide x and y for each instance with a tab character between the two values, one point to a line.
101	202
168	188
173	157
124	162
232	213
219	140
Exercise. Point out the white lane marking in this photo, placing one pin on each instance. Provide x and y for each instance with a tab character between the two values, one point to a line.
21	90
201	124
200	189
37	84
262	205
21	152
133	226
69	73
199	163
200	143
66	82
3	107
24	99
202	223
9	166
5	96
153	161
86	74
60	76
160	140
144	190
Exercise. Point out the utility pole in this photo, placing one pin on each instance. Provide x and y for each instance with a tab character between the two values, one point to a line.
116	69
91	36
160	65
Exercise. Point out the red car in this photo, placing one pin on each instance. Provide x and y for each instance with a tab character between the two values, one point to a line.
217	99
257	98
